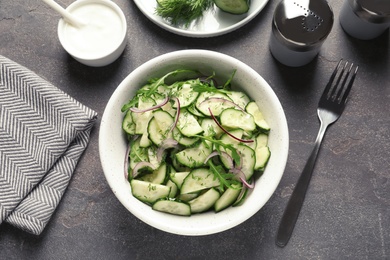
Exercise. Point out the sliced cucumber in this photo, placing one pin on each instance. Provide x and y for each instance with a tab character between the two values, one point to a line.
214	102
145	141
210	128
261	140
198	180
174	189
128	124
262	157
157	176
148	192
239	98
194	156
254	110
205	201
159	126
188	124
234	118
185	94
233	6
248	157
193	110
178	177
169	108
187	197
184	140
141	120
228	197
172	207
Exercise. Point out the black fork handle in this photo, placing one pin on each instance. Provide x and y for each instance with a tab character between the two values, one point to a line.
295	203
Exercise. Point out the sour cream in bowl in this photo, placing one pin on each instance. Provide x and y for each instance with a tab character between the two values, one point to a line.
102	39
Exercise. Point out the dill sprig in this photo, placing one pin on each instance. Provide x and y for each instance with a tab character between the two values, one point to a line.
182	11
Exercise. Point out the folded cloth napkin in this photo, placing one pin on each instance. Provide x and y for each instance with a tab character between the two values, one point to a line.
43	133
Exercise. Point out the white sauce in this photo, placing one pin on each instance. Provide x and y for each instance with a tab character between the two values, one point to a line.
101	34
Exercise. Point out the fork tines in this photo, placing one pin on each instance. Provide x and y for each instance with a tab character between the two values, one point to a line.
342	93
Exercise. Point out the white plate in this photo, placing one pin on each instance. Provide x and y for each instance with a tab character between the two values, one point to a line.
213	23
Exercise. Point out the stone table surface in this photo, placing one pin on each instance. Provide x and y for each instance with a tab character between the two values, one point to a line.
346	214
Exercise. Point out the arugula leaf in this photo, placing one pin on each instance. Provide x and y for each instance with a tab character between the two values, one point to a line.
218	143
226	179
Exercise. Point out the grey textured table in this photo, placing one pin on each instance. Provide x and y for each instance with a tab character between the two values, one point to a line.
346	214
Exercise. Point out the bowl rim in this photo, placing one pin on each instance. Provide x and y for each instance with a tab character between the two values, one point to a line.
184	226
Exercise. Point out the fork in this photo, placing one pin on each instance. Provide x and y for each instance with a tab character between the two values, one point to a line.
330	107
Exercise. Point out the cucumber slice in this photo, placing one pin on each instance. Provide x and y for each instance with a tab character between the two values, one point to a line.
173	187
188	124
187	197
172	207
185	94
262	157
205	201
184	140
141	120
148	192
254	110
215	103
157	176
159	126
145	141
194	156
239	98
248	160
178	177
233	6
210	128
128	124
228	198
233	119
198	180
193	110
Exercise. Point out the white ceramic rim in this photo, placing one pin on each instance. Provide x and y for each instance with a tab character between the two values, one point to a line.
205	223
255	9
109	52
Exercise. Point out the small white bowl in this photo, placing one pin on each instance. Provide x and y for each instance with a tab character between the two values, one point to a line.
102	40
112	140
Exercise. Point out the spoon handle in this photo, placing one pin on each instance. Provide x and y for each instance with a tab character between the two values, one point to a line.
64	13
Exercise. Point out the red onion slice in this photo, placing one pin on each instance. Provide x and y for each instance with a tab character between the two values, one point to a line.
241	175
176	116
166	144
141	165
136	110
126	163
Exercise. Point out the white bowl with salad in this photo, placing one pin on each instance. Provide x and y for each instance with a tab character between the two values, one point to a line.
193	142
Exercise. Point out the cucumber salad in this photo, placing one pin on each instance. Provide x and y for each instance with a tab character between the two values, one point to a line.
194	145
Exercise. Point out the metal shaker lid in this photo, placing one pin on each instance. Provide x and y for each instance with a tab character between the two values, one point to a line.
302	24
374	11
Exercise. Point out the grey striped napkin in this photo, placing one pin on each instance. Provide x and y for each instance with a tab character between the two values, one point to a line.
43	133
